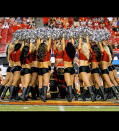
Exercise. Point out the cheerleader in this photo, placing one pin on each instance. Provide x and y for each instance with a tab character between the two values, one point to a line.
49	64
58	53
111	68
43	61
15	55
84	69
106	60
9	77
25	59
59	67
69	54
115	73
115	76
34	73
95	69
75	74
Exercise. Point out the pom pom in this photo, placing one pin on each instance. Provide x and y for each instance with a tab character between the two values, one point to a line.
56	33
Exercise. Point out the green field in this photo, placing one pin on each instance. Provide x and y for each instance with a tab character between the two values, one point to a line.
7	107
56	108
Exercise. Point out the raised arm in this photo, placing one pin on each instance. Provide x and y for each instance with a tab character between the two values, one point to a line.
49	43
104	42
80	43
54	45
10	48
17	41
87	40
38	43
72	40
31	47
23	43
63	43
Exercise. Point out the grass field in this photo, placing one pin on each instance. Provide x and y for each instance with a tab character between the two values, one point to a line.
59	105
56	108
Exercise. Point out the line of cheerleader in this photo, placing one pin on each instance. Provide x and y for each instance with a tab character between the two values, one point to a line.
30	69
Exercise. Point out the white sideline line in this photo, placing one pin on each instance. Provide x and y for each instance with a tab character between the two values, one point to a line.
26	107
97	106
61	108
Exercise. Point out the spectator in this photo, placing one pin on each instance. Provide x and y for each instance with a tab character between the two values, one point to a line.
113	46
114	23
45	20
53	23
19	20
12	20
96	24
24	25
110	18
38	22
30	22
76	21
70	21
111	31
90	23
15	26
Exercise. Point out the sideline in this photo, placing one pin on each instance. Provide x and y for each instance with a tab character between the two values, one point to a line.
61	108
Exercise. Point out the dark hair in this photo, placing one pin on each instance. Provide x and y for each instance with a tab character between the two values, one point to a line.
97	52
83	39
41	51
17	46
70	50
24	54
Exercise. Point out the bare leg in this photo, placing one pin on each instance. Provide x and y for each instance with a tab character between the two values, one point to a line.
112	78
107	80
33	79
5	81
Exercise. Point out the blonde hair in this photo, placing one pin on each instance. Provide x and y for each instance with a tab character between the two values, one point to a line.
85	50
106	48
33	48
10	47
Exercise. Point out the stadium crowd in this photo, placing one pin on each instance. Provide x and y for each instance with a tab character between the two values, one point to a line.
8	25
112	24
